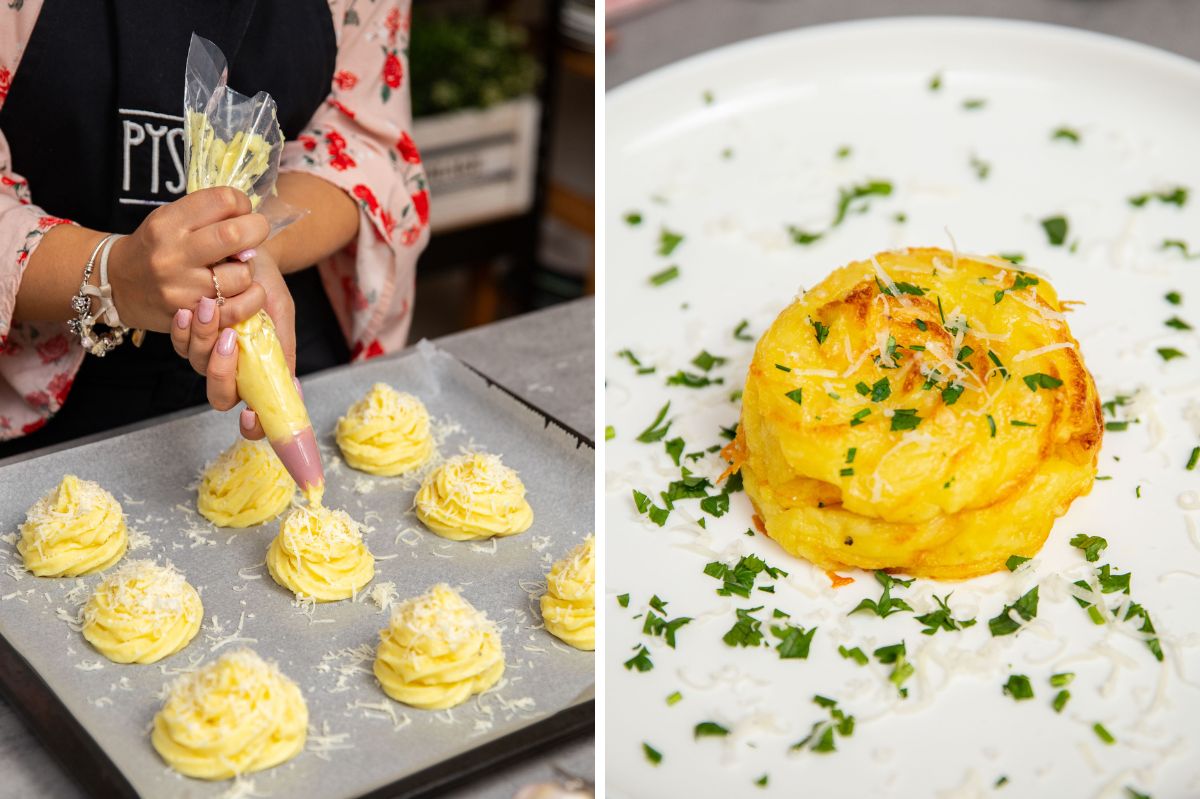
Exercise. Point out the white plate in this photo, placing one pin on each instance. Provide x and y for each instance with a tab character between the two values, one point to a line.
784	104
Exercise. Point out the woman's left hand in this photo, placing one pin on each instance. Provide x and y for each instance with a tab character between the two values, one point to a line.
195	336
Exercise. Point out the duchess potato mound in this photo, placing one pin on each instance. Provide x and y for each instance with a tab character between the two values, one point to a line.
921	411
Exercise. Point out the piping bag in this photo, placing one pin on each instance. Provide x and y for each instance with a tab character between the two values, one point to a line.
234	140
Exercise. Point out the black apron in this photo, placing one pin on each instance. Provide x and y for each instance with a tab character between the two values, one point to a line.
93	121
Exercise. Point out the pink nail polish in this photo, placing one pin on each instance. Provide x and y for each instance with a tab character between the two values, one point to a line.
183	318
227	341
246	255
248	419
207	309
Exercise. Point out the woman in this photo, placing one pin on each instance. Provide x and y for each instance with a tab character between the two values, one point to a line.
91	144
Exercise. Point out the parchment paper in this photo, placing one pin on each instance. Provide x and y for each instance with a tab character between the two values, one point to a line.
359	739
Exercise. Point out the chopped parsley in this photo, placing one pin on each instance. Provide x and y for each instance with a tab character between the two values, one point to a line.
1013	257
646	506
897	656
706	361
886	605
746	631
657	431
1066	134
950	394
716	505
857	419
905	419
1019	423
674	698
855	654
710	729
1177	196
941	619
708	97
642	369
796	395
1090	544
1193	459
739	578
652	754
665	276
623	600
1056	228
783	368
1177	323
794	641
843	152
821	738
1170	353
974	104
1182	246
640	661
1062	680
1021	281
633	219
1173	297
1041	380
850	453
803	237
1014	561
660	626
1060	700
761	782
860	194
739	332
991	425
935	82
821	331
674	449
895	289
1018	687
982	168
1103	734
610	432
880	390
847	472
1026	607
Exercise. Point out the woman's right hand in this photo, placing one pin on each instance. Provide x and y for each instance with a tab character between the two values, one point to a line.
164	264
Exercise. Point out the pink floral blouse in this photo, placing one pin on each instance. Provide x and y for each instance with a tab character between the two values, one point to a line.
358	141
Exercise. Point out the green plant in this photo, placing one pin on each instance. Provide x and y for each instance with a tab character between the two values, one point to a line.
467	62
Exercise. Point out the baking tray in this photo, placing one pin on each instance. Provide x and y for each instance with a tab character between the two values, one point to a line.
94	715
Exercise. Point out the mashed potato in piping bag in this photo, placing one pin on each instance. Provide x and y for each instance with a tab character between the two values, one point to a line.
235	140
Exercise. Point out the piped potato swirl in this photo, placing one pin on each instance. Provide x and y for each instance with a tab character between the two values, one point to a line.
234	716
142	613
473	496
385	433
245	486
320	553
569	604
438	651
77	528
922	411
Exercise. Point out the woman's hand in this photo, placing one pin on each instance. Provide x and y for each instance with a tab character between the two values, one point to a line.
209	342
165	264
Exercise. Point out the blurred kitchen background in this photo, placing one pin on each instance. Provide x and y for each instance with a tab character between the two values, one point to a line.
504	116
643	35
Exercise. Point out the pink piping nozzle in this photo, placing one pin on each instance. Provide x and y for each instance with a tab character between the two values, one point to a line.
302	458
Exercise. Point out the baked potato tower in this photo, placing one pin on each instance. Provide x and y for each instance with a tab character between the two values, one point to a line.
920	411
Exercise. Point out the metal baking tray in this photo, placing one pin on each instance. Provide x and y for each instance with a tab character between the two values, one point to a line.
94	715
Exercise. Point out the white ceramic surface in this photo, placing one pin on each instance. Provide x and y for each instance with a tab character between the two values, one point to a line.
783	105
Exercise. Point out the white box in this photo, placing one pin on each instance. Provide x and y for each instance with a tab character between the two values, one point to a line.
480	163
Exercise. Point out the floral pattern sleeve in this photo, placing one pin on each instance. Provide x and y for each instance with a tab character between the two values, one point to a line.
37	361
359	141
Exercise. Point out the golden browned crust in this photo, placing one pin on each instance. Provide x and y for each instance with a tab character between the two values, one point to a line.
921	411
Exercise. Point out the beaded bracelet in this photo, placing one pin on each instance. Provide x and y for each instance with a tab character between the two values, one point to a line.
98	343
